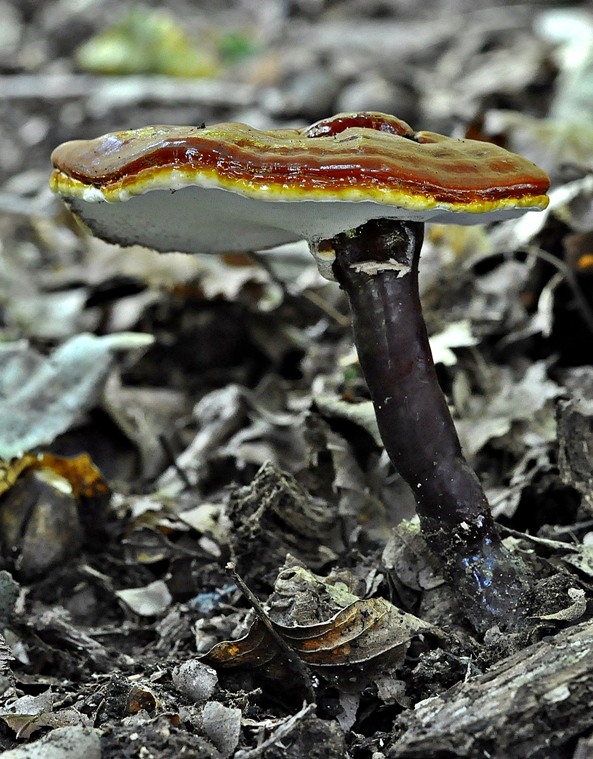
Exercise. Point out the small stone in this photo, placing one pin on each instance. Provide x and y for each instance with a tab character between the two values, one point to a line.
195	680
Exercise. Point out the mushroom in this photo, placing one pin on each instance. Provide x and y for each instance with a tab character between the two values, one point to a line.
358	187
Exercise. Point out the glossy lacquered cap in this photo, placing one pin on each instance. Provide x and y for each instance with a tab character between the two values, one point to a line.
231	187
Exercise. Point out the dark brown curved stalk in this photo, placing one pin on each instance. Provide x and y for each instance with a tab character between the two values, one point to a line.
415	423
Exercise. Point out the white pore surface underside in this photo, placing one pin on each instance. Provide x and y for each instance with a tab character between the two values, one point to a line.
211	220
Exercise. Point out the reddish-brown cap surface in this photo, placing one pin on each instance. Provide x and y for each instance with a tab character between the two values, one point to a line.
231	187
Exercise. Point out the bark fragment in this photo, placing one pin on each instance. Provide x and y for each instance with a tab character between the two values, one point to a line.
525	706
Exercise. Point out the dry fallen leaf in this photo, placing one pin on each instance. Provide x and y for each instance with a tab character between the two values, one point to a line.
574	417
50	392
222	725
29	714
370	632
72	742
49	503
523	402
85	479
366	630
149	601
407	559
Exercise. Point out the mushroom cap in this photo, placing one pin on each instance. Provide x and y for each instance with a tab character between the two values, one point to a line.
231	187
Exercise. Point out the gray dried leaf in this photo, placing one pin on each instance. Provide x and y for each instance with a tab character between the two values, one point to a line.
535	461
392	690
143	414
157	270
362	413
59	388
458	86
475	433
28	714
149	601
454	335
349	703
364	497
219	414
222	725
50	316
274	432
407	558
76	742
209	519
581	559
522	400
574	417
348	477
263	441
221	280
572	30
55	623
9	592
496	296
542	321
30	705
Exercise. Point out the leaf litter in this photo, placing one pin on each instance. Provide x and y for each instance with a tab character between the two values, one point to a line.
163	414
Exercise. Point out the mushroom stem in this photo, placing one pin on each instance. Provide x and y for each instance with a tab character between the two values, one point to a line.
377	265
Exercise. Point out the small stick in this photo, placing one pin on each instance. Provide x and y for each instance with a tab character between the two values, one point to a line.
166	446
284	729
317	300
579	299
290	654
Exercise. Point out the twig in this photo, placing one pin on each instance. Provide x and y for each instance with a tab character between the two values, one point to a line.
166	446
317	300
280	732
290	654
163	541
580	300
310	295
262	262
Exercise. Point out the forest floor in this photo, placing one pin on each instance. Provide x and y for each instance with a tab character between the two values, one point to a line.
188	453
